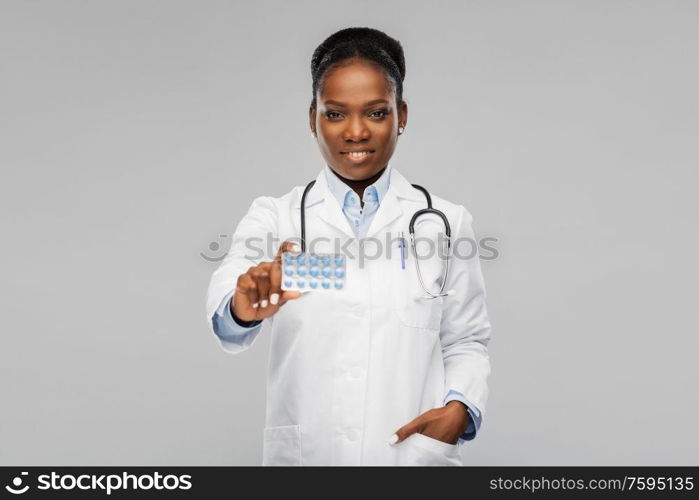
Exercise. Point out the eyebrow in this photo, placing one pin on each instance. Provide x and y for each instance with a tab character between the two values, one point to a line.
343	105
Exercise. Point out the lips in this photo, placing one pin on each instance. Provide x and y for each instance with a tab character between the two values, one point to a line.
358	157
357	154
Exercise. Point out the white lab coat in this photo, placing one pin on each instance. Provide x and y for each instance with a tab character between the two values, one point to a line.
348	368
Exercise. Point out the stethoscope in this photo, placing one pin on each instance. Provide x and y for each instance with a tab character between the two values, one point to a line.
411	230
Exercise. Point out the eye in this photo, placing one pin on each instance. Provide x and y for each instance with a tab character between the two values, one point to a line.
331	115
382	113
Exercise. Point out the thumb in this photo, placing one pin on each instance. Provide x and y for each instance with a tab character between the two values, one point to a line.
406	431
286	246
289	295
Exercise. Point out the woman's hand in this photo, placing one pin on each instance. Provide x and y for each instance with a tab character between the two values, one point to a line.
443	424
258	294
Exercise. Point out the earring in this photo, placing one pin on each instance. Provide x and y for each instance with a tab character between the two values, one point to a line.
401	129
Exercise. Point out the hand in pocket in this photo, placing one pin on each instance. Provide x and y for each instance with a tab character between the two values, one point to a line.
444	424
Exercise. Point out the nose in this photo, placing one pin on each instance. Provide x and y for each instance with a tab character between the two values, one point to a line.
356	129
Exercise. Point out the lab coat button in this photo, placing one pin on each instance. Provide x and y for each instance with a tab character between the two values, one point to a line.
352	434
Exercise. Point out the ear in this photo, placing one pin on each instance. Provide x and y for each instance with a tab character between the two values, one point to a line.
403	114
312	119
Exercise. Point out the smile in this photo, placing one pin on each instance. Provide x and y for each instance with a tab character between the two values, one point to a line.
357	156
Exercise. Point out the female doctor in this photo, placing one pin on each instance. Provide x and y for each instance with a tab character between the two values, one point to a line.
375	374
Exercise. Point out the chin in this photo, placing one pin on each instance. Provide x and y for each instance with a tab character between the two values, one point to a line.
357	172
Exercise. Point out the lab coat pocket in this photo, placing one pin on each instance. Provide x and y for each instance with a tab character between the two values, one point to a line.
410	304
282	445
419	449
418	312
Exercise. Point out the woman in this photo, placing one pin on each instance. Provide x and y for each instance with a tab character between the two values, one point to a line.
374	374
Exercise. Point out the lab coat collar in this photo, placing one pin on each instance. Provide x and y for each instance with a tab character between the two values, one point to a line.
341	191
329	210
390	208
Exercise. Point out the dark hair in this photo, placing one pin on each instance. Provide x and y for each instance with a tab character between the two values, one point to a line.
367	43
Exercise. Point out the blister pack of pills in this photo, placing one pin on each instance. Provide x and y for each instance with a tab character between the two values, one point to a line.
307	271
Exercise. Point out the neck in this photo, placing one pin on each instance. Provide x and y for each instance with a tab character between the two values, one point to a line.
358	186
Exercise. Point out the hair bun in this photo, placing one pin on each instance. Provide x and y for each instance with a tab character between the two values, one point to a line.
362	42
361	36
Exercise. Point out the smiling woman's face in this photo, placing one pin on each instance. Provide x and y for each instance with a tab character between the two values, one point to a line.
357	112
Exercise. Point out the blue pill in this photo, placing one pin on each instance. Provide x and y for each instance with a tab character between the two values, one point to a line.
301	259
327	272
326	261
339	272
300	283
302	270
289	271
288	259
338	284
313	271
288	283
313	261
339	260
326	284
313	284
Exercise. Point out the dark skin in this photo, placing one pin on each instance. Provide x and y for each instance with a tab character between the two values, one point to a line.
356	111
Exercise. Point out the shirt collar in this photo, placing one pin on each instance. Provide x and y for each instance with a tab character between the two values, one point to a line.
341	191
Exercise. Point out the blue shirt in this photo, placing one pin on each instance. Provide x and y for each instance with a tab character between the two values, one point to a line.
226	327
359	217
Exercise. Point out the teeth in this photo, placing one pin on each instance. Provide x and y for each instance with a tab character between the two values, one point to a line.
358	155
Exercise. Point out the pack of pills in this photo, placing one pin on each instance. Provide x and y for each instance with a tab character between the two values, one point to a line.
306	271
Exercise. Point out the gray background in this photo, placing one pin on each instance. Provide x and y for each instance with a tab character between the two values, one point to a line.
134	133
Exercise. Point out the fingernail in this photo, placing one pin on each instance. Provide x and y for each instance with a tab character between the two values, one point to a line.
393	439
264	303
294	247
255	305
274	298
